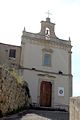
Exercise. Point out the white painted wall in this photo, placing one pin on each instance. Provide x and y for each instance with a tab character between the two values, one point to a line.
61	81
33	80
32	58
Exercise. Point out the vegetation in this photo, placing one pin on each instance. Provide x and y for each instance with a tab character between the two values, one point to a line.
14	91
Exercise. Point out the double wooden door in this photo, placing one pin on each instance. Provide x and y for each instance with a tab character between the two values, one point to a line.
45	94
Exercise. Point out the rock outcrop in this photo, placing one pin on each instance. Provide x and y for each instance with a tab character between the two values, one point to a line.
14	92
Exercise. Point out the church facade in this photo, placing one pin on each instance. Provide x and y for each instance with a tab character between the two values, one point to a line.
45	63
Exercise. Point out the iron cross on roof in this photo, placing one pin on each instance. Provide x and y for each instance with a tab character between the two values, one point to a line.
48	13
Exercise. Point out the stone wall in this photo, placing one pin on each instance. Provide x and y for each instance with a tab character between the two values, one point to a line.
14	92
75	108
7	58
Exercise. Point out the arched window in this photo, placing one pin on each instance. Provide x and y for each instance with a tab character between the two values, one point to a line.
47	31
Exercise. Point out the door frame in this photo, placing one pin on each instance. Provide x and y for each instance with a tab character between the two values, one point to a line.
44	93
48	79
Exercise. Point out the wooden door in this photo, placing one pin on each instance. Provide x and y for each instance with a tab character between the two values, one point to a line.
45	94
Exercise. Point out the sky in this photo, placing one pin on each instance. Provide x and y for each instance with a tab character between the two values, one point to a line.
17	14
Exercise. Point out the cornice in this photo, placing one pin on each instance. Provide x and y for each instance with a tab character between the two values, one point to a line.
39	36
49	43
47	50
45	72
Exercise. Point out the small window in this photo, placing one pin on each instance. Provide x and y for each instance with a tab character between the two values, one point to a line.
47	60
12	53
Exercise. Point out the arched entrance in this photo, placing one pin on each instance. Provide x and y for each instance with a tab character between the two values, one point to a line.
45	94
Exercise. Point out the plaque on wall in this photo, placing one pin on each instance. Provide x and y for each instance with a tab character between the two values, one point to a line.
60	91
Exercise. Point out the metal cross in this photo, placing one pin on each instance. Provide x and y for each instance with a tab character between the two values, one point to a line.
48	13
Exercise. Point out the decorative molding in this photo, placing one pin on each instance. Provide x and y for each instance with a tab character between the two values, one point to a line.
46	75
43	71
47	50
70	52
49	43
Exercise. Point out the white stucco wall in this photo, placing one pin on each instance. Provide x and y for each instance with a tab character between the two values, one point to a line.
34	80
33	58
61	81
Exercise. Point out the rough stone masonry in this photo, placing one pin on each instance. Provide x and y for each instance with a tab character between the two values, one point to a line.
14	92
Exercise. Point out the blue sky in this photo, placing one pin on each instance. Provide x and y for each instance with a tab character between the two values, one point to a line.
15	14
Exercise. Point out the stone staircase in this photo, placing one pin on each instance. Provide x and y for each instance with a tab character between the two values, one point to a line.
52	115
33	114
